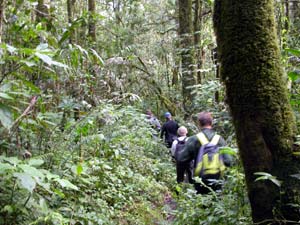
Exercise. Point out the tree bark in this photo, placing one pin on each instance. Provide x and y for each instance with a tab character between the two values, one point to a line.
259	104
42	11
1	18
294	12
287	17
197	38
187	53
92	24
70	4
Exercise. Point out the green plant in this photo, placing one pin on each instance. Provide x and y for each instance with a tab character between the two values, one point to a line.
230	207
26	187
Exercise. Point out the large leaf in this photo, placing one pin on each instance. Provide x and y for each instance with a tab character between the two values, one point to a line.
98	57
295	52
44	184
47	59
66	184
31	171
26	181
5	96
50	176
296	176
28	63
293	75
12	160
4	167
35	162
82	50
267	176
10	48
5	116
42	47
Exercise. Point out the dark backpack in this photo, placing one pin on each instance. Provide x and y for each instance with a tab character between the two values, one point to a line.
179	147
209	160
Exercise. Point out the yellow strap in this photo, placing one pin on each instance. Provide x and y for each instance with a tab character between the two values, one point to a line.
215	139
202	138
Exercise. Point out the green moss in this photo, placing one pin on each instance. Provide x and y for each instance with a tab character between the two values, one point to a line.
257	96
187	50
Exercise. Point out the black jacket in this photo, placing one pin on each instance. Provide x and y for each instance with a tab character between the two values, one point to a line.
169	130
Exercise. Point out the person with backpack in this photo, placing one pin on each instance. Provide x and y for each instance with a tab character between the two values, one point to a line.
204	149
169	130
177	147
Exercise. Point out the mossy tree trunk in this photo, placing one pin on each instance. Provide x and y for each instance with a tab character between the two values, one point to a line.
186	50
197	38
70	10
1	18
258	100
92	24
294	12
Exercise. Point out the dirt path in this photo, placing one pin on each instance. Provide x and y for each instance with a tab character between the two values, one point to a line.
170	206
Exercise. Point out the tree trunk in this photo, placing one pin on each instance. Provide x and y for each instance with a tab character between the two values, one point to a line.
287	17
197	38
214	57
177	58
70	11
1	18
187	53
294	11
259	104
42	11
70	4
92	24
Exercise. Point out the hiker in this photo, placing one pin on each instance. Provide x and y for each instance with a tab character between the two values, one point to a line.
177	147
211	175
169	130
154	122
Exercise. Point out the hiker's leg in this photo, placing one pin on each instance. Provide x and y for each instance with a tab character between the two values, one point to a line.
169	144
180	169
190	172
190	175
212	181
201	189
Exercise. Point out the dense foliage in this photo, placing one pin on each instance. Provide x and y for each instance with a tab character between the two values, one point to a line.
106	169
64	100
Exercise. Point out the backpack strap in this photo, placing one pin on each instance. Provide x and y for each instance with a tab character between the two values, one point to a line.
203	139
215	139
182	141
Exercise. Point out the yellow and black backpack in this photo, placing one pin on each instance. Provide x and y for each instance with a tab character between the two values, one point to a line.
209	160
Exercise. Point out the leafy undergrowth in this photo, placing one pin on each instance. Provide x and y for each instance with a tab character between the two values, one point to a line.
230	207
106	169
109	168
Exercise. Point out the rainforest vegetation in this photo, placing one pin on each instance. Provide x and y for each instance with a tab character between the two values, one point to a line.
76	79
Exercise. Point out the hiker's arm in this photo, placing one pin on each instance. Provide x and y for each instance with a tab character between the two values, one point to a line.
163	129
190	150
173	148
228	160
157	123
